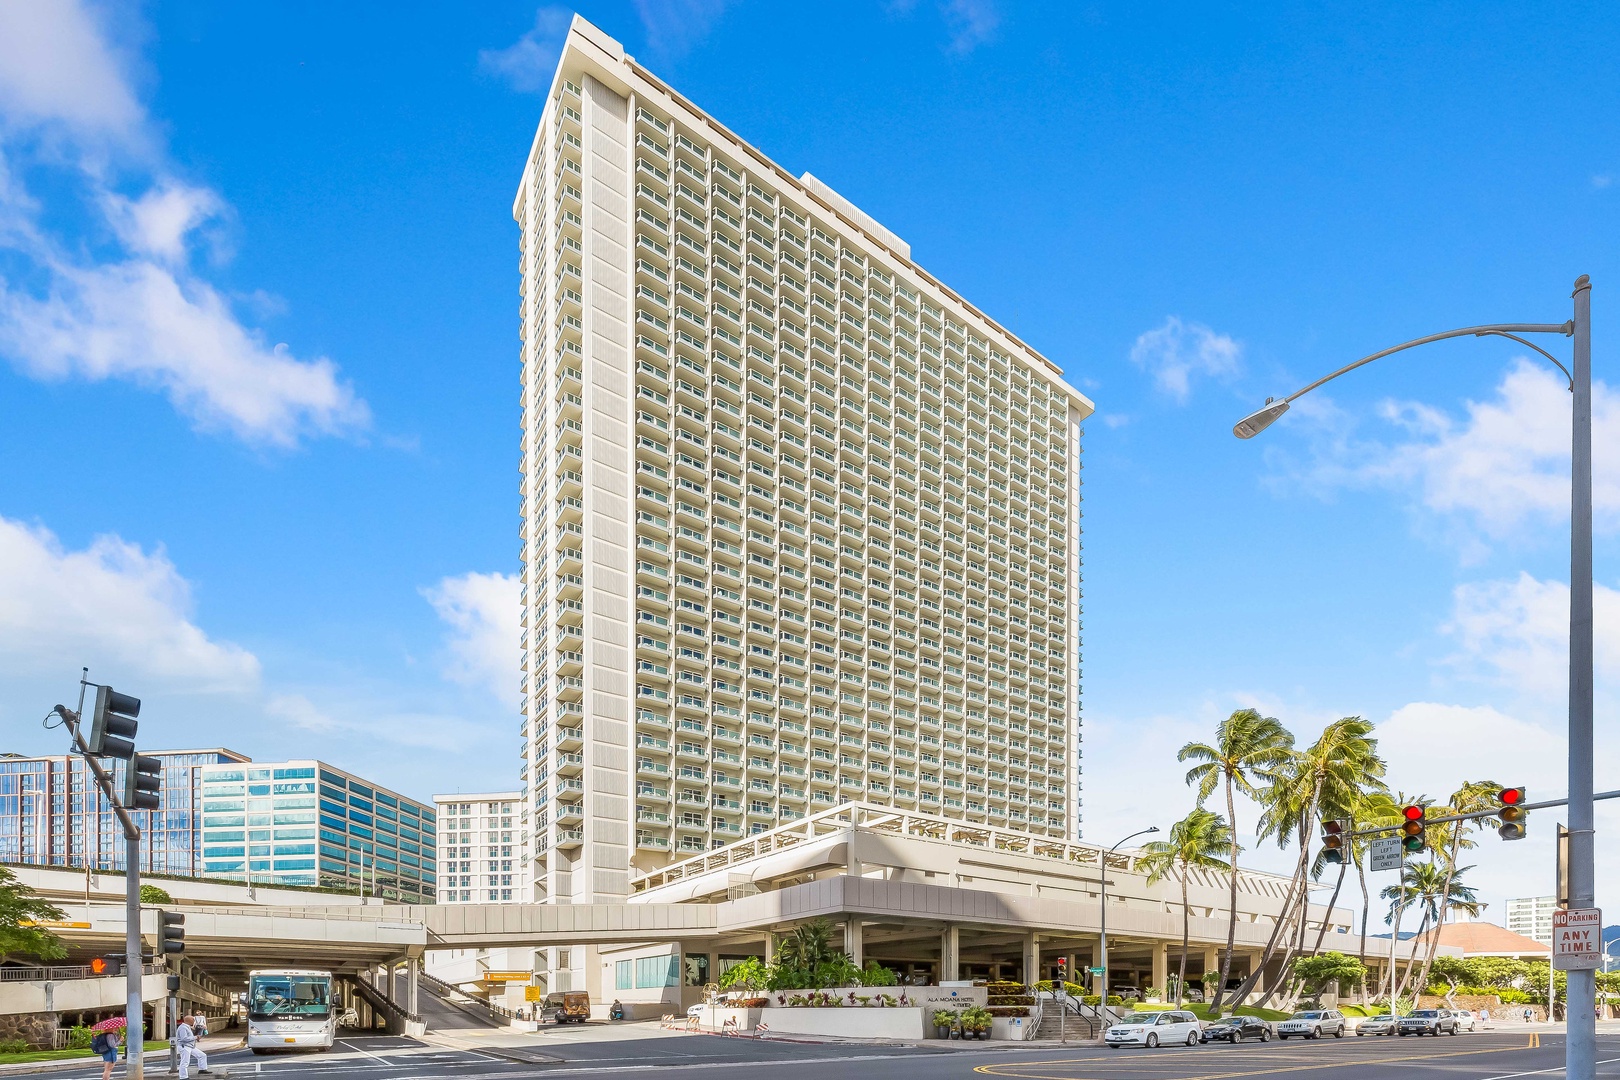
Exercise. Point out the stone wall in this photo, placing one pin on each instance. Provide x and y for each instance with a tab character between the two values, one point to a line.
36	1029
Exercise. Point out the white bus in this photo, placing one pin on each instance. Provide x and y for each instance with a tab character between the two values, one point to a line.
290	1009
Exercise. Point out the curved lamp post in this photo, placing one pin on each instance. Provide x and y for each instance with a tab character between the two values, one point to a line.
1102	998
1581	1045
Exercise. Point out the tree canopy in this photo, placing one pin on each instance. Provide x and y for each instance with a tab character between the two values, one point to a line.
20	910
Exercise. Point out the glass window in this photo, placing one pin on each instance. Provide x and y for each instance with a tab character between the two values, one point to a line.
697	969
623	976
657	971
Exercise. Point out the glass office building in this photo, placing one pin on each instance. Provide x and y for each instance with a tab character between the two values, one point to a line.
305	823
53	814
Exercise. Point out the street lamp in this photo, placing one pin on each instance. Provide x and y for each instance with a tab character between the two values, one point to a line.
1102	997
1580	1052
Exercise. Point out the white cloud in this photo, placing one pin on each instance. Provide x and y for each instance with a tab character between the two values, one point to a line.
483	614
1177	352
158	222
1503	468
56	67
139	321
112	606
360	723
1515	632
528	63
144	316
674	26
971	22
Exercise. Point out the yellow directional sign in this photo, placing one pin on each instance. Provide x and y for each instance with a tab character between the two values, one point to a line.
506	976
532	993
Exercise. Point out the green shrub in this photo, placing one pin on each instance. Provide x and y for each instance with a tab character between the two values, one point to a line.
875	974
944	1017
79	1038
14	1046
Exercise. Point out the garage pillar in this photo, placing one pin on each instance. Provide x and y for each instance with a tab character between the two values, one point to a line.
852	942
1161	964
1212	960
1032	958
413	973
950	953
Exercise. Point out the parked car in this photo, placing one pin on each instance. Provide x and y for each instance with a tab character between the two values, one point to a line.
1313	1024
1465	1019
1234	1029
1126	993
1152	1029
565	1006
1428	1022
1377	1025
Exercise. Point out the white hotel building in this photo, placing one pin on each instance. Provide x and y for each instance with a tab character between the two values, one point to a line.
801	526
482	852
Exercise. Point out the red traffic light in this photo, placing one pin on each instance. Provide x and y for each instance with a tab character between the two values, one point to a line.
1512	796
1332	828
1413	813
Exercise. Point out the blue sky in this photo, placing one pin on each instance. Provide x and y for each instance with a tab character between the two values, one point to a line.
258	352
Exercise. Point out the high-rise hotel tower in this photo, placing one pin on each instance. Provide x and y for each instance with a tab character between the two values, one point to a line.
801	525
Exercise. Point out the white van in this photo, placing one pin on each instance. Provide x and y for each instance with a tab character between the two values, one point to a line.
1152	1029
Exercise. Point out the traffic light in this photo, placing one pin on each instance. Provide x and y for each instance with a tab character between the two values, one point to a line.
112	724
1511	813
143	777
1063	970
106	966
1335	834
1413	824
171	932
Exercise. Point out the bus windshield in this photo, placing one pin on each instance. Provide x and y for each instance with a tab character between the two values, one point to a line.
289	997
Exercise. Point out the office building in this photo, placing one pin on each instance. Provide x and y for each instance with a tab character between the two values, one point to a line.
1532	916
481	848
52	813
307	823
801	525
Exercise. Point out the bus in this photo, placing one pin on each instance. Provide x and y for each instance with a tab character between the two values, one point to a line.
290	1009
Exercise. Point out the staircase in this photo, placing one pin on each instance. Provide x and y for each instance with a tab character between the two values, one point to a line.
1082	1023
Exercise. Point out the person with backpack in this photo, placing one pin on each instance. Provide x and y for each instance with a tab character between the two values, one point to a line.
104	1044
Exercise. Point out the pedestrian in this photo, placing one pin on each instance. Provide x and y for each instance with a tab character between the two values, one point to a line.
105	1044
1527	1014
185	1040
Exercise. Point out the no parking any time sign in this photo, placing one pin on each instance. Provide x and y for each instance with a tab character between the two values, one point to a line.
1577	939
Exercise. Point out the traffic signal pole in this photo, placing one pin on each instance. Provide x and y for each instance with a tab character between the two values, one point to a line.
134	1036
1374	830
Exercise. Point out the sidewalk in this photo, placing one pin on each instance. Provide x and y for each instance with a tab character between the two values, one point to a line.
153	1061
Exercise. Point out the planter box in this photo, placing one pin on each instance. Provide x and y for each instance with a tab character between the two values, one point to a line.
851	1022
715	1019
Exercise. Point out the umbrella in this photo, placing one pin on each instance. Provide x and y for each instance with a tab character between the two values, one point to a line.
112	1023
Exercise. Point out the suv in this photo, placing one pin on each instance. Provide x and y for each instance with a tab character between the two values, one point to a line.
565	1006
1313	1024
1428	1022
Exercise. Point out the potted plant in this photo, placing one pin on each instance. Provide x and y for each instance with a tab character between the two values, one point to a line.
977	1021
944	1022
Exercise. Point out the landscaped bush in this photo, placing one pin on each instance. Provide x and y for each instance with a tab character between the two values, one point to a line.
1008	1010
14	1046
79	1038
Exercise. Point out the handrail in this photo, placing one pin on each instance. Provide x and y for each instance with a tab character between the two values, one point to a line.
63	974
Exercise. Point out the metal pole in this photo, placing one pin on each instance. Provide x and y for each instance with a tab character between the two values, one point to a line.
1102	992
172	1022
134	1037
1580	994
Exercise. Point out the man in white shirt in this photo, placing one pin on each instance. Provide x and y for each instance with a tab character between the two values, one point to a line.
185	1041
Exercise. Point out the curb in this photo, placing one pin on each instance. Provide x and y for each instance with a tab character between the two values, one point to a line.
35	1068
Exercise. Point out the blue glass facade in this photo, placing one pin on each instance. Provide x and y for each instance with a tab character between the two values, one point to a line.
306	823
52	813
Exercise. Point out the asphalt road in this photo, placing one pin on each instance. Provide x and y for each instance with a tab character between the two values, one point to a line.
1483	1056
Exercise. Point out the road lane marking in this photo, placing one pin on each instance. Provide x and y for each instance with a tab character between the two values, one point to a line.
1005	1070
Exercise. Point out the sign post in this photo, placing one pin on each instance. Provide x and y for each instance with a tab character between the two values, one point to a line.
1577	939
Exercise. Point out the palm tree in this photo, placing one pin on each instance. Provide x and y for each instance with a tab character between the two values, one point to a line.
1373	809
1247	747
1436	889
1473	796
1323	779
1199	841
806	946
